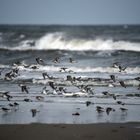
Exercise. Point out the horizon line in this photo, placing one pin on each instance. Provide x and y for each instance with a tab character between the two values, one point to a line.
36	24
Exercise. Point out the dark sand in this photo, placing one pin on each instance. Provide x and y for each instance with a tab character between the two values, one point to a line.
103	131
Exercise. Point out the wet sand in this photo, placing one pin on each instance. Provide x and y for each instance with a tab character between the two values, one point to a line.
106	131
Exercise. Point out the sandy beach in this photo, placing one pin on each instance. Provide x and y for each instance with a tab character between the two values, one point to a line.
106	131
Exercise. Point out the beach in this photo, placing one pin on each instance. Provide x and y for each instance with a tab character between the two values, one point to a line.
69	82
106	131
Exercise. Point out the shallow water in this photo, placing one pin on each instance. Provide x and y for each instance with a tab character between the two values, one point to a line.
93	52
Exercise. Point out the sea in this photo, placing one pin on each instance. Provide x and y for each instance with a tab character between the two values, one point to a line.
77	74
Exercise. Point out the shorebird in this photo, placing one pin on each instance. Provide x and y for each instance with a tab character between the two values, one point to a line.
122	84
27	100
120	103
114	96
113	78
137	78
139	87
122	69
88	103
108	109
33	67
40	98
5	109
62	89
7	96
44	74
56	60
99	109
8	76
105	93
15	104
34	111
69	78
115	65
24	88
76	114
51	84
44	90
123	109
63	69
39	60
71	60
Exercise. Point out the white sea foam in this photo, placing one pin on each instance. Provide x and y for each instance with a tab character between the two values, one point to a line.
129	70
58	41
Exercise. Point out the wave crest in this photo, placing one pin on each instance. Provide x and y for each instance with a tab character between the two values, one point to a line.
59	41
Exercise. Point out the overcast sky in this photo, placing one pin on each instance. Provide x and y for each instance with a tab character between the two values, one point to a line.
70	11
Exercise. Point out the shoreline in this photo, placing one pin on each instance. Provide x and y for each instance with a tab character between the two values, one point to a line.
98	131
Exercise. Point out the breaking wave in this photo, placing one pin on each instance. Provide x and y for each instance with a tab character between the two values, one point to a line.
60	41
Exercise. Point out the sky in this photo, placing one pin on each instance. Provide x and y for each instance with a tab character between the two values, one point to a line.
70	12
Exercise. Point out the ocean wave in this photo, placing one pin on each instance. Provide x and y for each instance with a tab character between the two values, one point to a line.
59	41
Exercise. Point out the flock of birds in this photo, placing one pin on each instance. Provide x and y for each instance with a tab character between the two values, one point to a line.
85	90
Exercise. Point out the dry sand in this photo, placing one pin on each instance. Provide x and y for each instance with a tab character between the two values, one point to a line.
103	131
